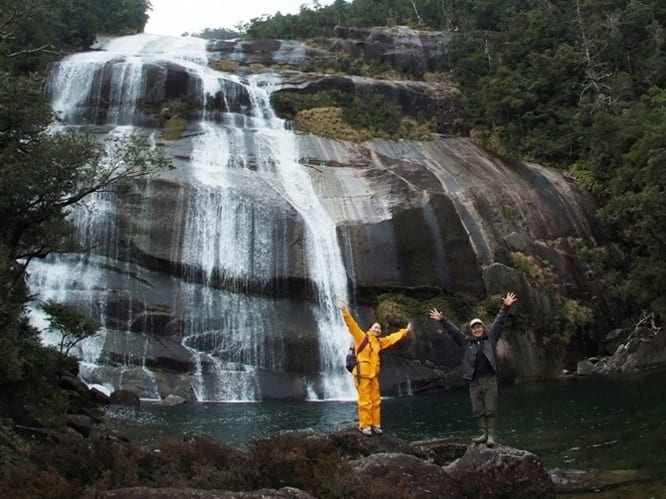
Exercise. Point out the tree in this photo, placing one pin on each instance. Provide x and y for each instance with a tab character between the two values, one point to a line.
72	327
44	174
38	29
637	200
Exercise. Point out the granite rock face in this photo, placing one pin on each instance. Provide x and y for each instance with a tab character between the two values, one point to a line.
436	215
439	217
409	51
643	349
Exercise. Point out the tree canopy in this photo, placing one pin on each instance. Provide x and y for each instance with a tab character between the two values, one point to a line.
33	31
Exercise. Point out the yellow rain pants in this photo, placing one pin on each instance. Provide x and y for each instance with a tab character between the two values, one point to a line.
366	372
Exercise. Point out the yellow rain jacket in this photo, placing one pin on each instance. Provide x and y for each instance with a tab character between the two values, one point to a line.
368	358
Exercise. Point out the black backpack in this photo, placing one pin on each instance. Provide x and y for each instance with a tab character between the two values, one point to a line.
351	360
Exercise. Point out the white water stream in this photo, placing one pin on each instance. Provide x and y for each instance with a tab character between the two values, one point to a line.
227	236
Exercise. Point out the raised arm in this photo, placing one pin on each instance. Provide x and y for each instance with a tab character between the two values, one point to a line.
510	299
352	326
449	326
393	338
498	323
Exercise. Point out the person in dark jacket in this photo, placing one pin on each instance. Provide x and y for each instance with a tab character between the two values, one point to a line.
480	366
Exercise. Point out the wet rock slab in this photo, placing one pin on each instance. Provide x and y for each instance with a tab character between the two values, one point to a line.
577	481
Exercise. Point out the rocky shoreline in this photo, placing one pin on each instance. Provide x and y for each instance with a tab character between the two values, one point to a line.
96	460
89	455
629	350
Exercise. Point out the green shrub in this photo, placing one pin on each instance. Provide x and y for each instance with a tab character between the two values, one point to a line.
412	129
288	104
310	464
578	317
52	410
392	314
174	127
537	272
375	113
337	114
174	116
226	66
328	122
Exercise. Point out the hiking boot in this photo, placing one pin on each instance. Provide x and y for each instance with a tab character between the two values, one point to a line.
492	425
377	430
367	431
481	439
481	421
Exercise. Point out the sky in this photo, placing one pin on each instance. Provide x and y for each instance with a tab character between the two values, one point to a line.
175	17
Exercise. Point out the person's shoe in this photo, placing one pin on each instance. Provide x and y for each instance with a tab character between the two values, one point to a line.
492	424
482	439
377	430
367	431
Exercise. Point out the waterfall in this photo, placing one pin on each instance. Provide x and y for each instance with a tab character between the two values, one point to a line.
231	336
323	252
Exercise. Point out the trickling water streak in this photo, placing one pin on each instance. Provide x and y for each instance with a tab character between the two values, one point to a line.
123	98
441	265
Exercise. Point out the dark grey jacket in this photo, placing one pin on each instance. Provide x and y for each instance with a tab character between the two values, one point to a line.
488	342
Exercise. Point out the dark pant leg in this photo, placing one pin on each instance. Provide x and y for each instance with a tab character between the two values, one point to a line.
483	395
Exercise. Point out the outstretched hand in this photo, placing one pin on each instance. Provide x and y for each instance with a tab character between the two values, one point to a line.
510	299
409	328
341	305
436	314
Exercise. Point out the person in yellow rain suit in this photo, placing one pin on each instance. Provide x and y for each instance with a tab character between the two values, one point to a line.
366	372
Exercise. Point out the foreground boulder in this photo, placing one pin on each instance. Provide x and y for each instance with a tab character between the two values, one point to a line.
593	481
501	472
173	493
401	475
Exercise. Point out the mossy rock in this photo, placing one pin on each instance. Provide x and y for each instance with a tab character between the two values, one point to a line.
226	65
174	127
328	122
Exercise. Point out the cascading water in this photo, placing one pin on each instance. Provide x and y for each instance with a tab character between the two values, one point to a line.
232	245
323	252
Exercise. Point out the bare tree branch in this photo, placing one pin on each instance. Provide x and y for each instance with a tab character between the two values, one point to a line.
416	11
42	49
